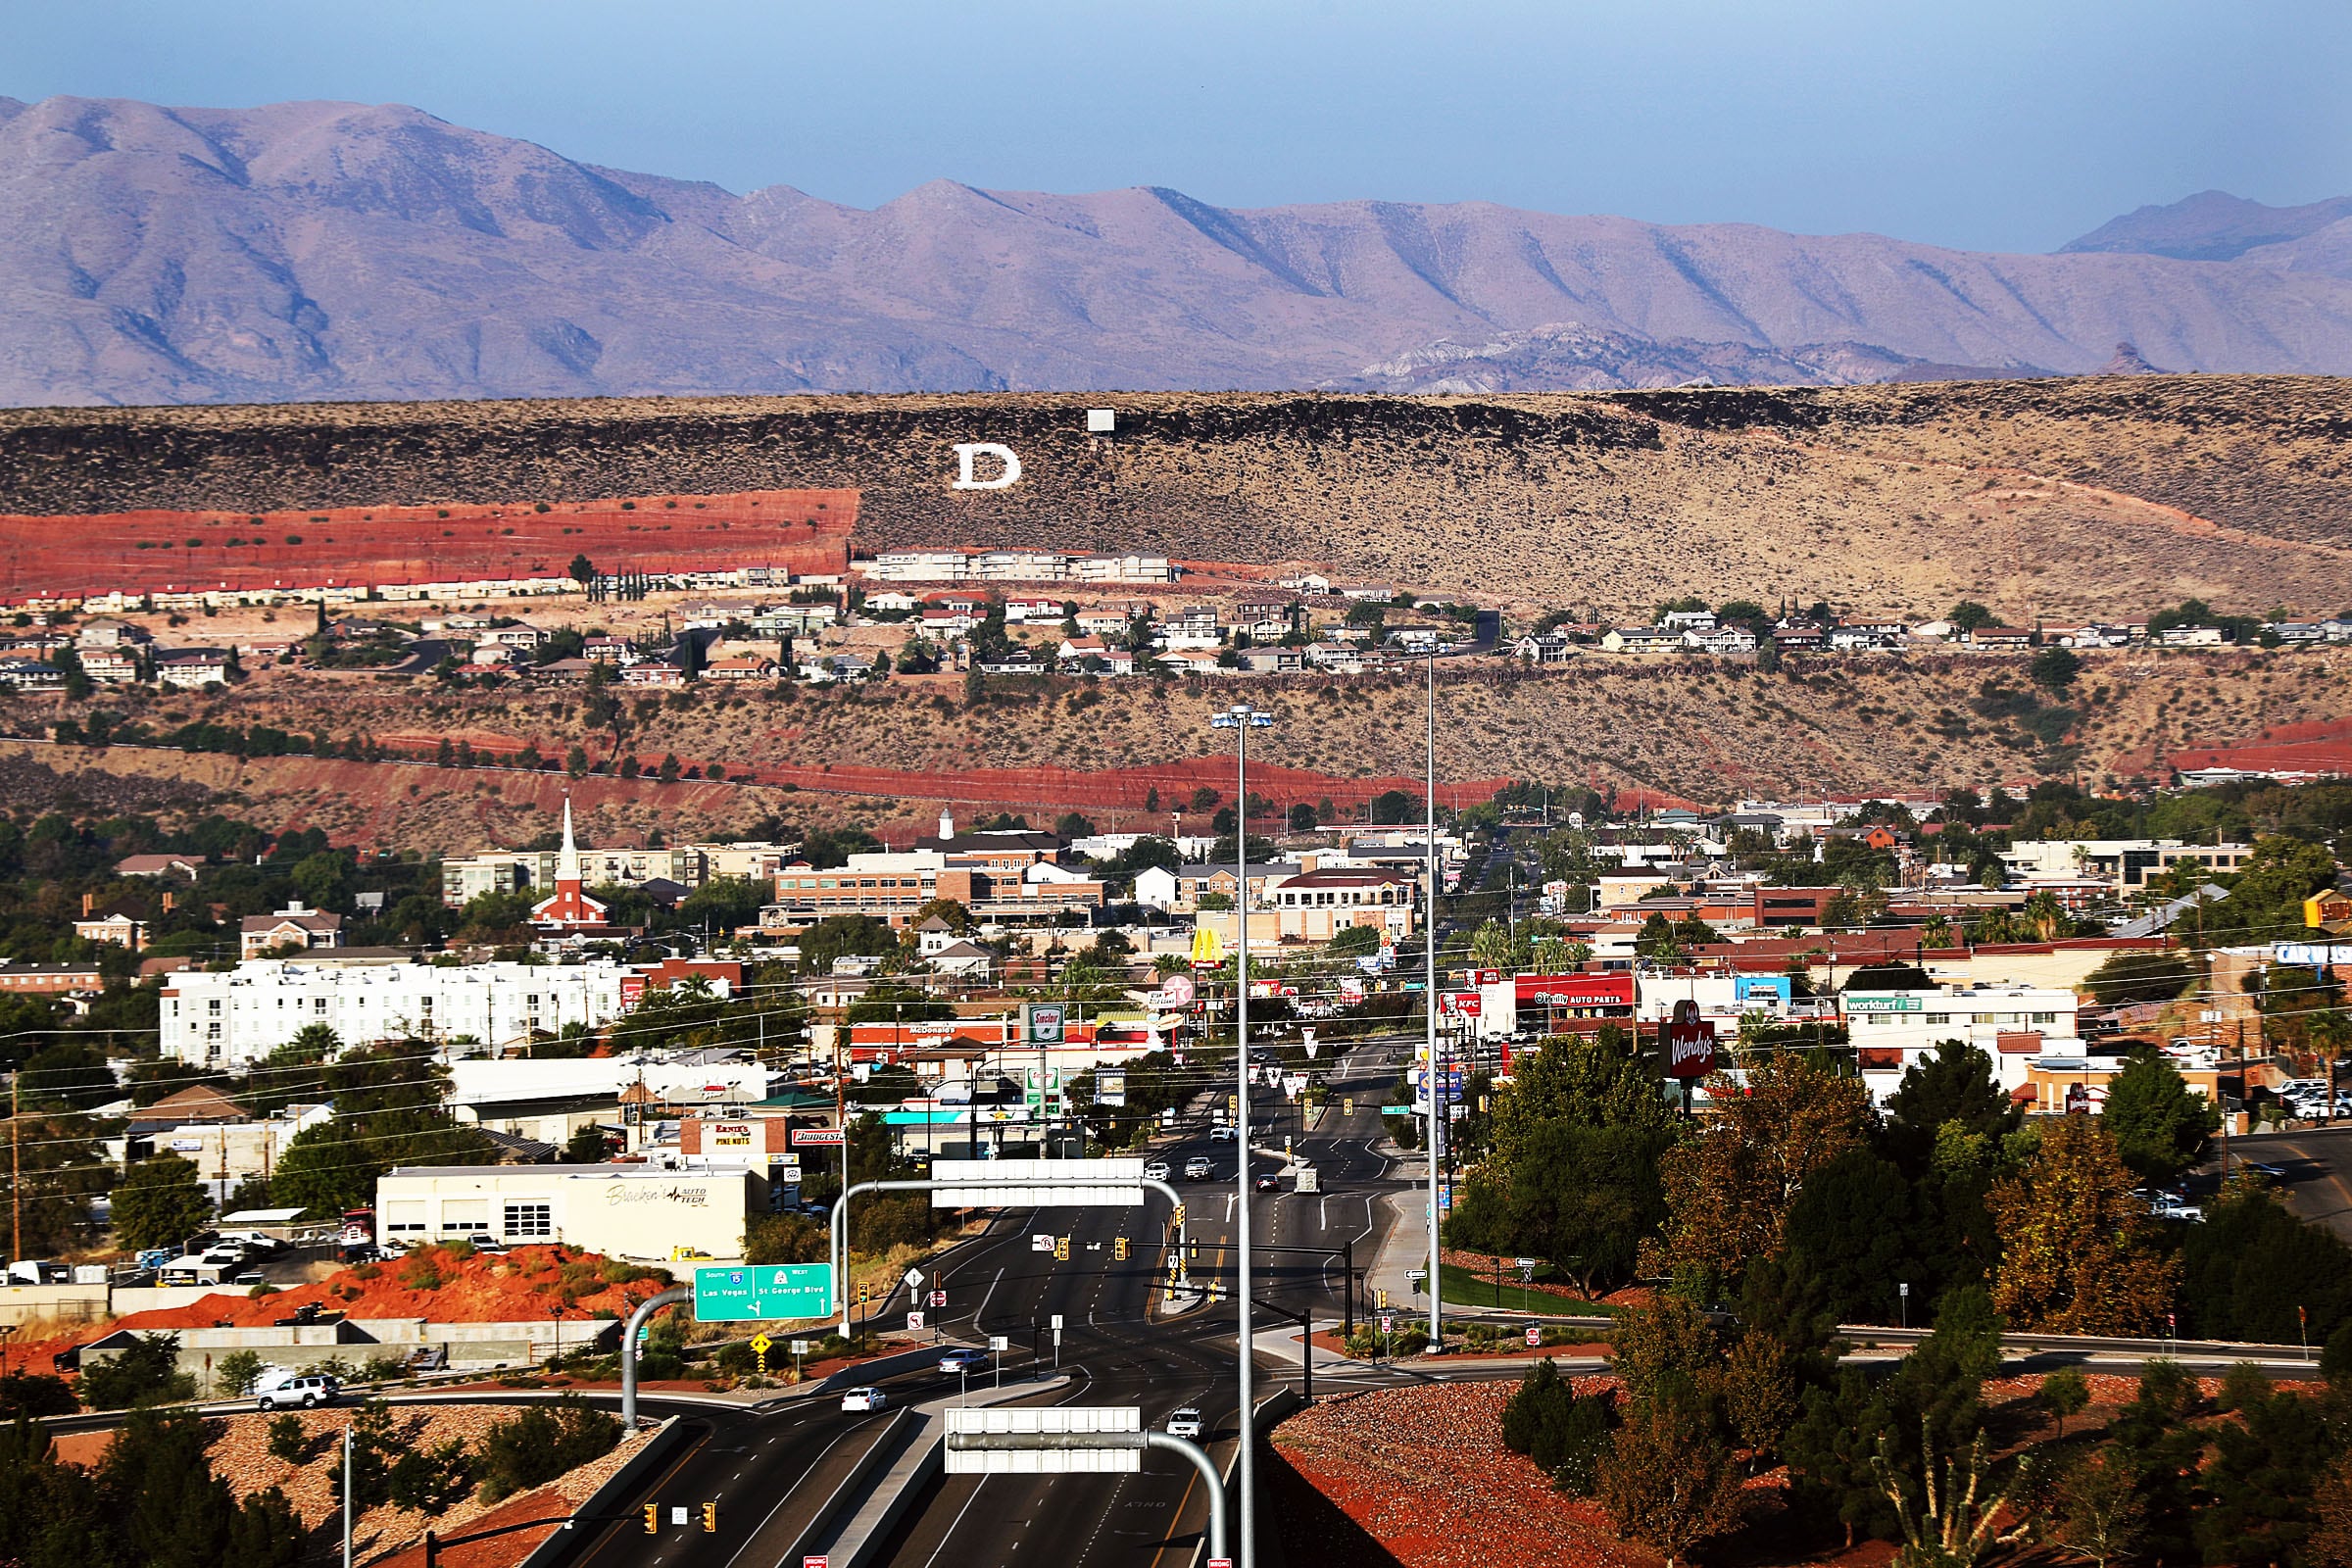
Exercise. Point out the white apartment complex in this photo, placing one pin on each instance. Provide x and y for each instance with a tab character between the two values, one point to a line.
2125	864
236	1018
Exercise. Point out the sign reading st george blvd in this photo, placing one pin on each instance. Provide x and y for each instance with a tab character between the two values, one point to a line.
756	1292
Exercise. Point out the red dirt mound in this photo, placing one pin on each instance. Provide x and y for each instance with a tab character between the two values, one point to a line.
527	1283
800	530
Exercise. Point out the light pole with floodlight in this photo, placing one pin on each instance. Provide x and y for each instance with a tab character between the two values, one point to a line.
1242	718
1430	1081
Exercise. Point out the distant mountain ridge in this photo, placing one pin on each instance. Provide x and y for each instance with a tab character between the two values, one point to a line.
322	251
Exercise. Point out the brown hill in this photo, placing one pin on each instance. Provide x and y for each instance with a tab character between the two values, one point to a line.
887	757
2046	499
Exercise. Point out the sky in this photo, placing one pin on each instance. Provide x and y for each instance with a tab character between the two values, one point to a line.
1990	125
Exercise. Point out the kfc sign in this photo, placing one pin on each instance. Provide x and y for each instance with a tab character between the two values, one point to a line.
1690	1042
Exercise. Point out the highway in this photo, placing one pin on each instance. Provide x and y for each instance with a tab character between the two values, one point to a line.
1126	1349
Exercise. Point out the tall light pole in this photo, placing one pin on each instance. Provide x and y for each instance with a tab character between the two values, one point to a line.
1242	718
1431	1079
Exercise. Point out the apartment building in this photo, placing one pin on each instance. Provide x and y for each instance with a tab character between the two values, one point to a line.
1891	1031
234	1019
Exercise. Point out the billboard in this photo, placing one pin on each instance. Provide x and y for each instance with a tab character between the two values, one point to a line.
1111	1085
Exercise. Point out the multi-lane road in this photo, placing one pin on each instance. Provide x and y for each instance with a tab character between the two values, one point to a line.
1122	1343
1124	1347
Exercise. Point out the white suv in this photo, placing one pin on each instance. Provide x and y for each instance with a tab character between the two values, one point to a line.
307	1392
1184	1423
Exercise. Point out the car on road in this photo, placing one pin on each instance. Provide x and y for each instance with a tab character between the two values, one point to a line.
966	1361
2273	1172
866	1400
1198	1168
1222	1134
309	1391
1184	1423
2167	1206
1156	1170
1268	1182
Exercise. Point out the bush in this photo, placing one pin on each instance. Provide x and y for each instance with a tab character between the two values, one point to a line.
145	1373
32	1394
430	1480
543	1442
422	1275
289	1442
237	1372
1565	1434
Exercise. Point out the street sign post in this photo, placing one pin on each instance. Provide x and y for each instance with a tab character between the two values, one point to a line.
914	1322
754	1292
761	1346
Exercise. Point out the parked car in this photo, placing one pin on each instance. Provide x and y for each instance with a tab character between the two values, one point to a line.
2167	1206
1156	1170
1184	1423
868	1399
308	1389
966	1361
1198	1168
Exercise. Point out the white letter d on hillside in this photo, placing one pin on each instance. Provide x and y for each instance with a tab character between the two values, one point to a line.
967	451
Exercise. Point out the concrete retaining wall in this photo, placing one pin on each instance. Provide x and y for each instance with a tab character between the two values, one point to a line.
73	1303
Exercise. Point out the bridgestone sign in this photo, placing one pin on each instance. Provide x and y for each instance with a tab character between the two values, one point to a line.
1036	1183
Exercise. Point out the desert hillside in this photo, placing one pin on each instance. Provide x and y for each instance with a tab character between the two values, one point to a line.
887	757
2049	500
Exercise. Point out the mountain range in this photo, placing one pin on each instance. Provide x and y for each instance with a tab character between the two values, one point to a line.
330	251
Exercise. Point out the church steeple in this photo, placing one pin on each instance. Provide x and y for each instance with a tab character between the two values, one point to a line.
567	859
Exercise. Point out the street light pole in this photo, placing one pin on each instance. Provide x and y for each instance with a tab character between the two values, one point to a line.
1242	718
1431	1079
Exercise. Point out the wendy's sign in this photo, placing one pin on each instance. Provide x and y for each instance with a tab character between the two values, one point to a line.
1690	1042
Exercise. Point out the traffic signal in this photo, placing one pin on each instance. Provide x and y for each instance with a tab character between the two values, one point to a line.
652	1518
710	1518
1177	1218
1061	1248
1119	1248
865	1291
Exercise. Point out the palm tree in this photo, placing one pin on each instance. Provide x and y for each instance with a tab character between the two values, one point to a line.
1492	945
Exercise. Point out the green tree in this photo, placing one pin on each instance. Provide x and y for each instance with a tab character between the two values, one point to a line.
1968	616
1957	1084
160	1204
1668	1479
2055	668
2065	1391
582	571
237	1373
2160	1125
2254	1272
141	1373
2143	976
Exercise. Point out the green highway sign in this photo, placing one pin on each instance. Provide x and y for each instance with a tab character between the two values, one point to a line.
1396	1110
751	1292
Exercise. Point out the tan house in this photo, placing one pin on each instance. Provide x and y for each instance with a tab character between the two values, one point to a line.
294	926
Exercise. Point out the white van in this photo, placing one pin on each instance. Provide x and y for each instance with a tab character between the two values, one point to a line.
310	1389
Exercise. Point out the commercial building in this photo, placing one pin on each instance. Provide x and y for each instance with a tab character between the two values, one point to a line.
1892	1031
624	1211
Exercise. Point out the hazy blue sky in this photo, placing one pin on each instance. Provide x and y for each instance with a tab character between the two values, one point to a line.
1986	123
